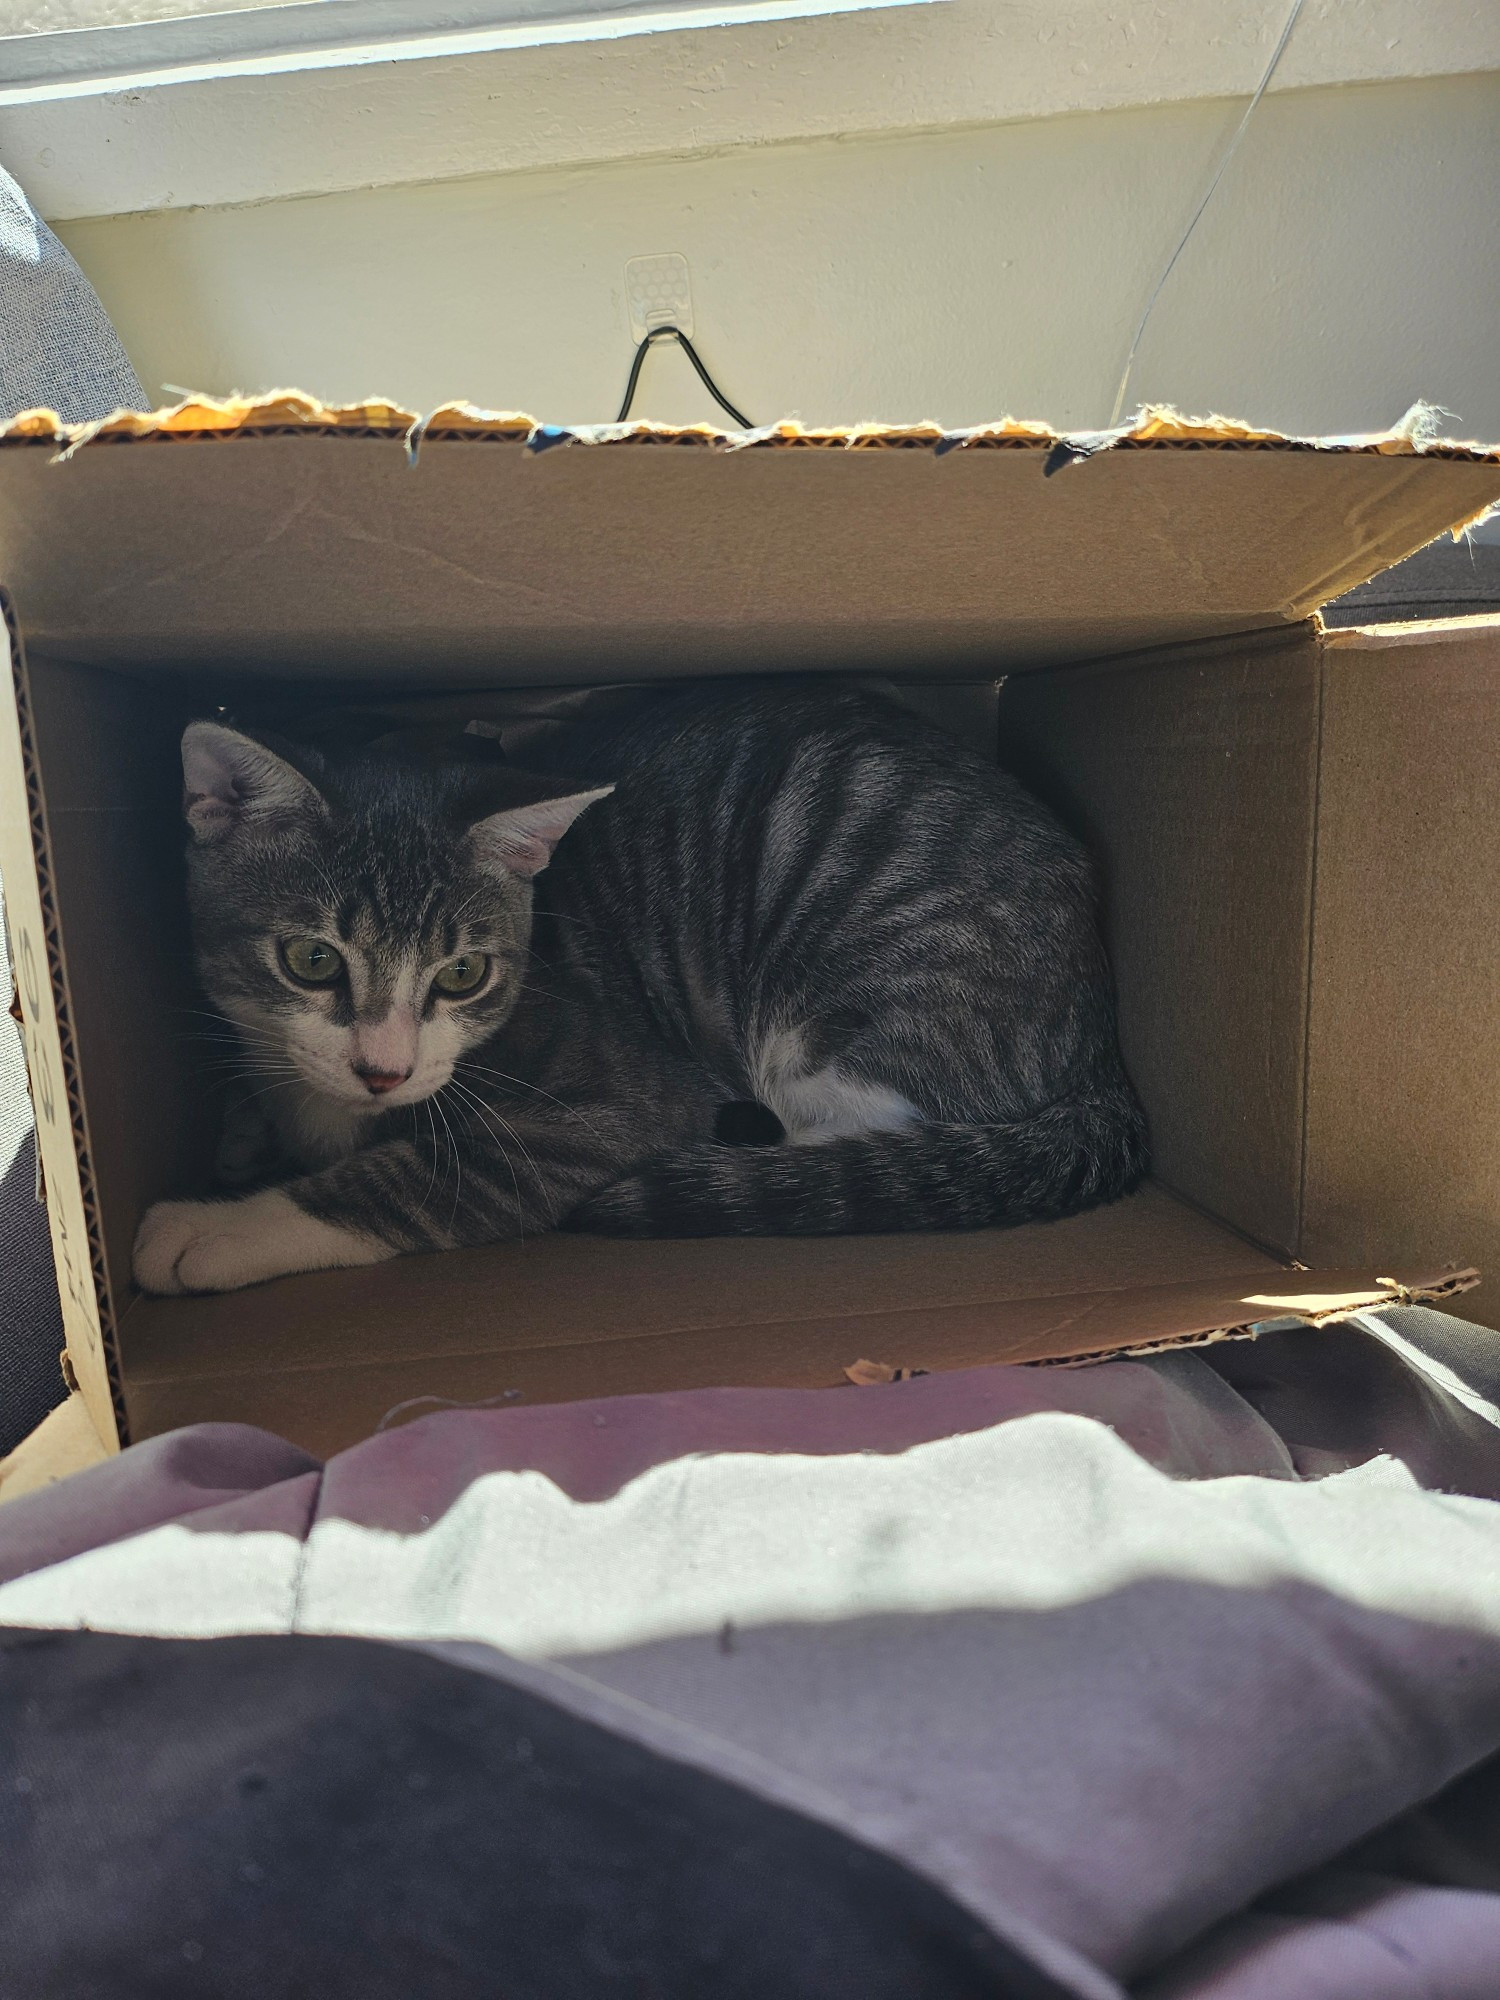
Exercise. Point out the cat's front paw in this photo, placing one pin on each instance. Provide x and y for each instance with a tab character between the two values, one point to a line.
220	1246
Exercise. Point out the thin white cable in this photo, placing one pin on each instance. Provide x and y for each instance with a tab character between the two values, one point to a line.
1208	194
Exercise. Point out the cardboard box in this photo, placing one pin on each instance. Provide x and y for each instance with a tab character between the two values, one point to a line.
1299	834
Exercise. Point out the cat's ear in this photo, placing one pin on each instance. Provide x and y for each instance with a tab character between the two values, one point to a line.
522	838
229	781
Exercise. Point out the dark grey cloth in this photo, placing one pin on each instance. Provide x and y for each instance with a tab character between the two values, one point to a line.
279	1817
1447	579
1416	1383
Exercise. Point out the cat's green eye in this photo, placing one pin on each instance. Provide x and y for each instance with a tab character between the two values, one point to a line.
462	975
310	961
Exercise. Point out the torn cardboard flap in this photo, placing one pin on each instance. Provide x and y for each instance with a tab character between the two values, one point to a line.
282	539
1163	1318
293	409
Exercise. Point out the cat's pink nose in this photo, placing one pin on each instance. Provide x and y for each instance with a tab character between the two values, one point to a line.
379	1081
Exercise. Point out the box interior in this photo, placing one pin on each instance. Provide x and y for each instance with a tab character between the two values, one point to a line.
1169	695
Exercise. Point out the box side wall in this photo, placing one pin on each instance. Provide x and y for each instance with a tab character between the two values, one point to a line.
48	1030
1192	775
1403	1128
108	749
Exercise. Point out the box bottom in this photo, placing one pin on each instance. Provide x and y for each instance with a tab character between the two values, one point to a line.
323	1359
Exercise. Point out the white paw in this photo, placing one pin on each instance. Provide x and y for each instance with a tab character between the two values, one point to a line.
219	1246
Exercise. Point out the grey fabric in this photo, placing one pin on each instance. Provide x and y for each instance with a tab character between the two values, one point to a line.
1471	1352
1104	1707
1416	1383
277	1818
31	1336
1447	579
1346	1936
58	350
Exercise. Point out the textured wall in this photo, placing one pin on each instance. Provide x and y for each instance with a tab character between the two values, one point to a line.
1349	264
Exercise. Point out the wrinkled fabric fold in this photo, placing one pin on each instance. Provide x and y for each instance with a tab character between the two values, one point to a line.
1088	1651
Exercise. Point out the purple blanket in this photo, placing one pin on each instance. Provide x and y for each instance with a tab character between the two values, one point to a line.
1133	1662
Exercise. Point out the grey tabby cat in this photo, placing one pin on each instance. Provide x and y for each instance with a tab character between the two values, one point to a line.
480	1003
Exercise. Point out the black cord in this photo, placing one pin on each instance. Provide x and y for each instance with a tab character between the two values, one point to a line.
675	333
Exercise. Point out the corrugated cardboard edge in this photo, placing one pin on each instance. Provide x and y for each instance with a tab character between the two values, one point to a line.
63	1150
292	412
1334	1303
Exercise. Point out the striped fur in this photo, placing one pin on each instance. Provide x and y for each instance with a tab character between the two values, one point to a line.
796	895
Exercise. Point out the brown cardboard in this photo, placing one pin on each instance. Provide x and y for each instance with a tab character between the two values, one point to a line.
1404	1032
562	1318
296	559
560	1292
326	551
113	776
323	1358
325	1409
63	1443
1192	776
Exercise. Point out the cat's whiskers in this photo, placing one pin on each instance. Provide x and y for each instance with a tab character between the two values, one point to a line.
515	960
416	1141
483	1111
275	1083
244	1040
436	1101
569	1110
541	1181
238	1064
220	1020
330	887
239	1038
499	1145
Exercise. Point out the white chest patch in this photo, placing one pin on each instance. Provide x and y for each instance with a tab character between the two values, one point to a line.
317	1130
819	1104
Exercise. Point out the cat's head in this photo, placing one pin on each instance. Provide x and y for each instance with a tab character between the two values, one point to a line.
363	922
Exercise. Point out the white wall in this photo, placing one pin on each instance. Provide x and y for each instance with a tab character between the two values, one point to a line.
658	79
1349	264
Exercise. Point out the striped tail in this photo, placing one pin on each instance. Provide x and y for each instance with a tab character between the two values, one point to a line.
1069	1157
